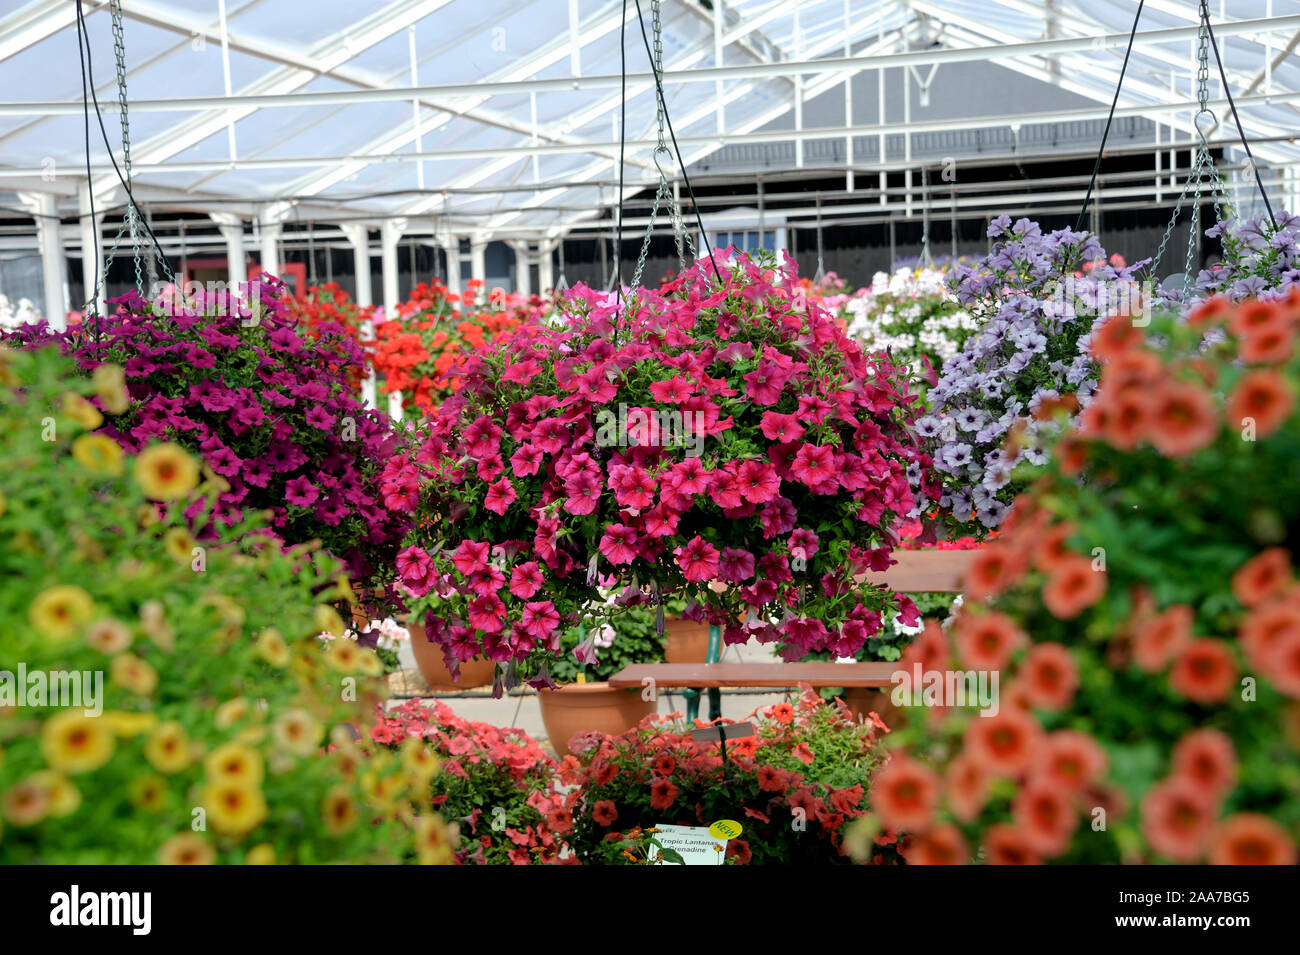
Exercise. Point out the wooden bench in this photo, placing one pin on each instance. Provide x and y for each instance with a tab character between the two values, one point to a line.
917	571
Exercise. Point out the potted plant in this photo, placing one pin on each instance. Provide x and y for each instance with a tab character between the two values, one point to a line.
213	691
433	667
267	409
686	638
583	701
654	442
793	786
1141	609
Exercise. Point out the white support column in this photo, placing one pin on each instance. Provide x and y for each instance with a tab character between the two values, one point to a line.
358	235
54	265
92	237
232	230
545	267
270	228
523	267
390	234
478	260
451	249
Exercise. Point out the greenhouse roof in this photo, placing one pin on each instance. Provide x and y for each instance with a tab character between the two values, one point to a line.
502	118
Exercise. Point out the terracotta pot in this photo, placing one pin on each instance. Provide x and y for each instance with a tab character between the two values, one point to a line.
590	707
685	641
428	657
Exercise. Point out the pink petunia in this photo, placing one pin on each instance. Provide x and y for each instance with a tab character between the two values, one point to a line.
525	461
499	496
698	560
673	391
526	580
813	464
415	567
470	556
803	543
781	427
583	493
689	477
487	613
539	619
758	482
736	564
619	544
482	438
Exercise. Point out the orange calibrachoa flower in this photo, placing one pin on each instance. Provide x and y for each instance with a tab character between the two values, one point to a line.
1204	672
1262	399
1161	637
986	641
1252	839
1005	744
905	794
1177	819
1049	676
1208	759
1182	419
942	845
1263	576
1073	587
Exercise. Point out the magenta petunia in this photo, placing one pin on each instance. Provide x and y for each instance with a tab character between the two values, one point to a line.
619	544
499	496
802	544
526	580
698	560
781	427
736	565
300	492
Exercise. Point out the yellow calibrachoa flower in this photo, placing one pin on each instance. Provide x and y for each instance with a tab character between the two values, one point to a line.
328	620
98	454
234	807
263	854
272	648
25	803
344	656
339	811
75	743
133	674
432	842
235	763
231	712
298	731
166	472
60	612
130	724
108	636
382	790
81	411
64	797
168	749
179	544
109	382
186	848
153	621
147	792
371	665
419	760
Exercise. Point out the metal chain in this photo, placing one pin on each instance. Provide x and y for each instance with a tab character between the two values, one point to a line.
663	190
132	217
1202	164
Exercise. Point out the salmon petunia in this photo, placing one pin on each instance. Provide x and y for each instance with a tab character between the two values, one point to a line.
1072	760
1045	817
992	570
942	845
1262	401
1004	844
1006	743
986	641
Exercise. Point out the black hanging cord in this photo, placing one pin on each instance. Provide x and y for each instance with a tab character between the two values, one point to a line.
622	142
1205	14
1096	168
82	50
90	74
663	104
